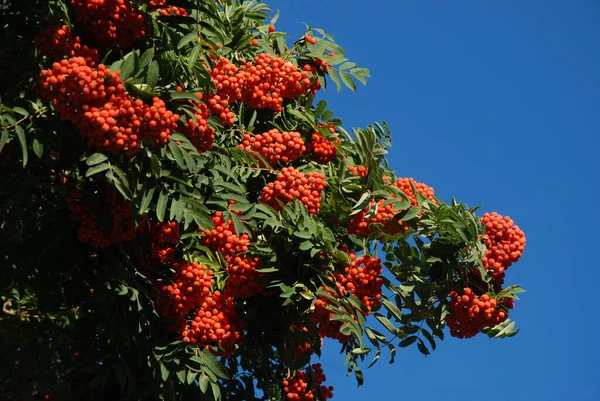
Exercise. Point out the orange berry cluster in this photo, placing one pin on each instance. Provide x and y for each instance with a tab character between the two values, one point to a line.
471	314
276	147
95	100
216	323
505	243
362	279
321	316
292	184
57	42
295	388
361	226
110	22
89	232
189	289
360	171
322	150
223	237
229	83
270	80
404	185
167	10
243	280
163	238
200	134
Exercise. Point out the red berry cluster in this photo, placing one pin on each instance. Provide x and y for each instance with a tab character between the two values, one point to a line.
189	289
200	134
404	185
361	226
95	100
216	323
224	238
471	314
362	279
321	316
505	243
270	80
110	22
163	238
322	150
229	83
82	210
360	171
276	147
57	42
295	388
292	184
243	280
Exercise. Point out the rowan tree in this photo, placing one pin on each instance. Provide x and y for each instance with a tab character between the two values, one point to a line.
181	219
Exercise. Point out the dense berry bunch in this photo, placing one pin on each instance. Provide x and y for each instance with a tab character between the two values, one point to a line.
292	185
200	134
57	42
361	225
322	150
96	102
362	279
229	83
243	280
86	209
404	185
163	238
189	289
216	323
505	243
276	147
296	388
71	84
174	11
110	22
270	80
360	171
224	238
470	314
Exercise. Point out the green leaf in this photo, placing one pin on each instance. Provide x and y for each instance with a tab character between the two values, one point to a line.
191	375
194	54
408	341
348	81
421	346
164	372
20	111
4	139
336	79
161	206
153	74
96	158
21	135
184	95
176	152
203	382
146	199
38	148
97	169
187	39
146	58
128	66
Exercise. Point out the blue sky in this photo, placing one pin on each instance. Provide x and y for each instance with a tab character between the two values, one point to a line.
494	103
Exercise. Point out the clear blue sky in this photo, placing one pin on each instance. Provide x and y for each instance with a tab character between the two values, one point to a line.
495	103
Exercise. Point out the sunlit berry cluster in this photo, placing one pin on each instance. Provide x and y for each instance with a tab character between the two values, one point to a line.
470	314
362	279
57	42
110	22
322	150
84	209
95	100
243	280
223	237
296	388
270	80
190	287
360	171
229	83
404	185
278	148
216	323
505	243
200	134
361	224
292	185
163	239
